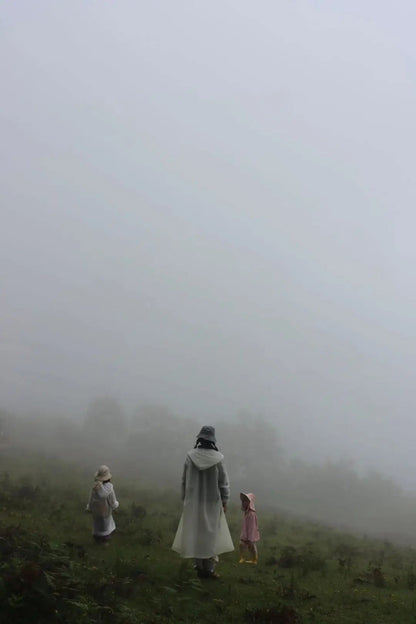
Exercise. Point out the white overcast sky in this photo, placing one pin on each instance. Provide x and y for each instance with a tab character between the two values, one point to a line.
211	205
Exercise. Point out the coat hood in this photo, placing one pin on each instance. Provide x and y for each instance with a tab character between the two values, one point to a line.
102	490
205	458
251	500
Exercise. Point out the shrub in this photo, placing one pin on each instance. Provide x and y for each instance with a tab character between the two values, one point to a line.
39	582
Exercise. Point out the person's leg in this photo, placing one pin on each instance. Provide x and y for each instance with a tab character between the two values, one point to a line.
252	548
209	567
101	539
243	547
199	566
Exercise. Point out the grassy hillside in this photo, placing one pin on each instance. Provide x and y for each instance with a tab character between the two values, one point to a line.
51	571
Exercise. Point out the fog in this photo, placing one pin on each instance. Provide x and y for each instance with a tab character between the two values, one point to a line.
210	207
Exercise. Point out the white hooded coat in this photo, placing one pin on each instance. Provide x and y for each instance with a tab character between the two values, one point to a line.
101	503
203	530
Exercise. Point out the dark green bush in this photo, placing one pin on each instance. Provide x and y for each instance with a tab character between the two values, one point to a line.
41	582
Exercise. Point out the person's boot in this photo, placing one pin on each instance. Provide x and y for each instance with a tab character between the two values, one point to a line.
210	573
253	561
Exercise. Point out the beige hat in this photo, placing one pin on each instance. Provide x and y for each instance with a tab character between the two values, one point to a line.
103	473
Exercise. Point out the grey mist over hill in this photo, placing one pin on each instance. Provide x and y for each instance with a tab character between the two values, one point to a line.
211	207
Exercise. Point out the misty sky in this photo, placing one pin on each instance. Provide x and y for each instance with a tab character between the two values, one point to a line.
211	205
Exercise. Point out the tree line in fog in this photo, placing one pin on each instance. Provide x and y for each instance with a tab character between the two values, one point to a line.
151	442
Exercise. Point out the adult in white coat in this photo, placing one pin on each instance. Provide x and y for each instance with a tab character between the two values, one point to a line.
203	531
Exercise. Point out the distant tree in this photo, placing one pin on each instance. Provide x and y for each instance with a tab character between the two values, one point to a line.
157	442
105	416
252	451
151	416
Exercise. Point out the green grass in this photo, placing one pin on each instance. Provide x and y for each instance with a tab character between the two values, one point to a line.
51	571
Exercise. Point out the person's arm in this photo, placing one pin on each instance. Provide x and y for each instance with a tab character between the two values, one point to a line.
183	482
88	507
250	522
112	501
224	485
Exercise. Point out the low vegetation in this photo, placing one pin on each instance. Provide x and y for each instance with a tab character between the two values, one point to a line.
51	571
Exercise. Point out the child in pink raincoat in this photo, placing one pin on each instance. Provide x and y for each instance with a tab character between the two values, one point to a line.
249	530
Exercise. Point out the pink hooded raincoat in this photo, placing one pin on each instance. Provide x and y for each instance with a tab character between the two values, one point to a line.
249	530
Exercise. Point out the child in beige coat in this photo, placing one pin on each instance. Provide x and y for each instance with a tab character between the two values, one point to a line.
101	504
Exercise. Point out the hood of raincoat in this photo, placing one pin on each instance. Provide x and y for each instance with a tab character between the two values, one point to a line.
102	490
205	458
251	499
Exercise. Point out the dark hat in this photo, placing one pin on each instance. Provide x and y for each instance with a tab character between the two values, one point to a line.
207	433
